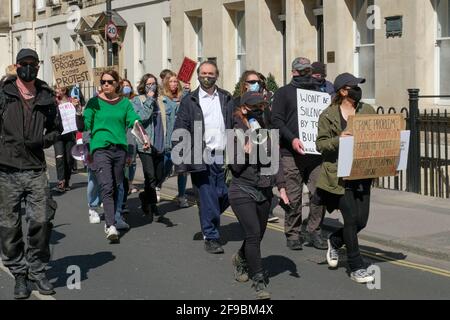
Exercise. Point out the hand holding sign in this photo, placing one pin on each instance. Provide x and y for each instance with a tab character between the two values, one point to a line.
298	147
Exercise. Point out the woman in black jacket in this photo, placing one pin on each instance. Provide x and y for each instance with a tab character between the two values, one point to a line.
250	194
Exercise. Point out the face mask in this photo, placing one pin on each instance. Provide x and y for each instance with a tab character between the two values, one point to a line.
126	91
150	87
355	94
207	82
27	73
254	87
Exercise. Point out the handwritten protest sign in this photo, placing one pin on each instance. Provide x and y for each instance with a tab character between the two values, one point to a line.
187	70
376	146
68	117
310	105
70	68
97	73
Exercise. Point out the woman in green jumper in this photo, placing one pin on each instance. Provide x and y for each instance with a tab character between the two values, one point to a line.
352	198
107	117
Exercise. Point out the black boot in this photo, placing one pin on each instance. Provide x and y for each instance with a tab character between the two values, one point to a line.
44	286
260	286
22	289
145	205
240	267
314	239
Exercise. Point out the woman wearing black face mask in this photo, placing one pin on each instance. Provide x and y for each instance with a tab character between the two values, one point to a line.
352	198
251	195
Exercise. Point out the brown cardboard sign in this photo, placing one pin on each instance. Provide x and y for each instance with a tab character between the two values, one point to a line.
70	68
97	73
376	150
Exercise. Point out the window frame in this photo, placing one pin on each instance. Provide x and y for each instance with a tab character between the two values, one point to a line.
438	45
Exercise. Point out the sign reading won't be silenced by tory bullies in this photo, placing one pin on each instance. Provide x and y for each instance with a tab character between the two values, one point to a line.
70	68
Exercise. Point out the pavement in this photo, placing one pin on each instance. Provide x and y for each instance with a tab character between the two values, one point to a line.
166	260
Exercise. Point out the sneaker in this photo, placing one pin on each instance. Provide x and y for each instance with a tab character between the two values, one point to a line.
315	240
294	244
260	287
94	217
122	225
44	286
213	247
133	189
183	202
158	194
240	268
22	289
273	218
361	276
332	255
111	233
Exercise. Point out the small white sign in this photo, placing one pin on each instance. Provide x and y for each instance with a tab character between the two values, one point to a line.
68	117
310	105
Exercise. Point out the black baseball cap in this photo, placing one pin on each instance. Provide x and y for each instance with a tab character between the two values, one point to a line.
347	79
27	53
251	98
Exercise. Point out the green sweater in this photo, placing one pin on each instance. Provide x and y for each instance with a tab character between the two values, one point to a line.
108	123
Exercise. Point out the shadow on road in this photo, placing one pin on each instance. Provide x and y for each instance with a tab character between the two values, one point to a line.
136	217
276	265
85	263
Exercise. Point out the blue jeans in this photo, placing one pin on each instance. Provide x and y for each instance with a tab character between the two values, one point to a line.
181	178
119	200
213	195
93	190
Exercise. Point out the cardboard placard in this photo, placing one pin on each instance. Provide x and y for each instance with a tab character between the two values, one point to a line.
97	73
377	143
70	68
310	105
187	70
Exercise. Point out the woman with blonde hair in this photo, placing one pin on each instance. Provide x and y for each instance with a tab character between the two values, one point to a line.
173	93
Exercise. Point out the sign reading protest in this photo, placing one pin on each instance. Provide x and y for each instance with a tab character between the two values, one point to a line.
97	73
68	117
376	146
187	70
70	68
310	105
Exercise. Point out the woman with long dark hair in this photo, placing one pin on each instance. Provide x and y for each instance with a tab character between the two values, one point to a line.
147	107
352	198
107	117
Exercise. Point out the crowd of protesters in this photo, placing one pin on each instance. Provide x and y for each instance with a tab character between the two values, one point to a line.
110	148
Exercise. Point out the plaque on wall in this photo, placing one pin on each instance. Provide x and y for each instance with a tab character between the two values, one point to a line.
331	57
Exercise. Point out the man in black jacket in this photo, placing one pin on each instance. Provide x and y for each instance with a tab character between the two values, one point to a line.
298	167
29	123
201	121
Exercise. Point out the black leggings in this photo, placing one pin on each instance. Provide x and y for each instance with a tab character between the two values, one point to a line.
253	218
354	206
63	155
153	167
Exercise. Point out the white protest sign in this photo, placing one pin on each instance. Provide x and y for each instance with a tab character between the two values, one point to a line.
310	105
68	117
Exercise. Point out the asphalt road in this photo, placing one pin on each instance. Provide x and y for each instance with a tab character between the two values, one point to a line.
166	260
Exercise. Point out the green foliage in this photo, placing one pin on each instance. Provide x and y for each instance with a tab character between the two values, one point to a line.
271	83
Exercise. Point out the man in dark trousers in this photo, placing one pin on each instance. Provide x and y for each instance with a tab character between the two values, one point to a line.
299	168
29	123
207	112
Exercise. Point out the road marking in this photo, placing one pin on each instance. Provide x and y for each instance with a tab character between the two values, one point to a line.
370	254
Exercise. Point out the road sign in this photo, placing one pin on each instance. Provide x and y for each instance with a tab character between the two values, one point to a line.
112	32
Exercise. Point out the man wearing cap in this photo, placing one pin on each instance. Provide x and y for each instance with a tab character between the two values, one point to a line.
299	168
319	73
29	123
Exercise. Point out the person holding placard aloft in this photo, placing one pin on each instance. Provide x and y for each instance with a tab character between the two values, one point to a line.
352	198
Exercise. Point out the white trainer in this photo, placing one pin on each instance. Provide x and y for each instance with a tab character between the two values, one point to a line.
122	225
362	276
332	256
158	194
94	217
183	202
111	233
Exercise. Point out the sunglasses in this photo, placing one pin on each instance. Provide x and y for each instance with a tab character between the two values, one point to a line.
110	82
253	81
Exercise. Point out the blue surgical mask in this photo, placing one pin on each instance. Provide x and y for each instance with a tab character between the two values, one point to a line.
254	87
126	91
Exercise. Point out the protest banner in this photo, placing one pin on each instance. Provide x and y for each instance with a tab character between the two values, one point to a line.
310	105
187	70
70	68
376	146
68	117
97	73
